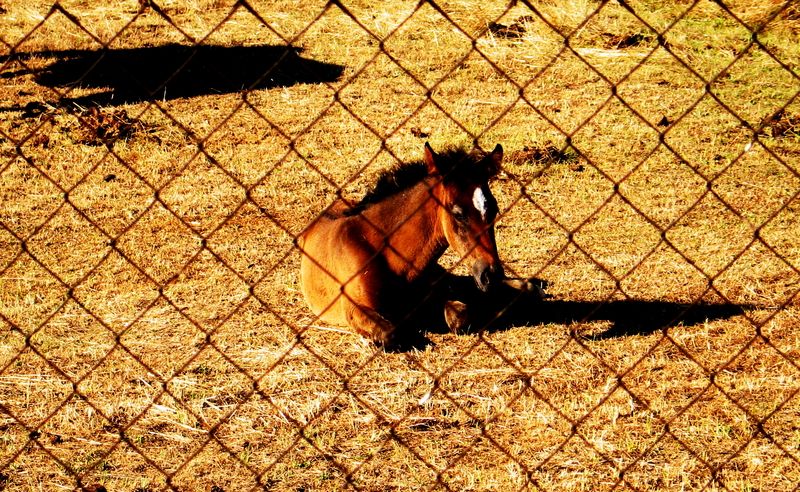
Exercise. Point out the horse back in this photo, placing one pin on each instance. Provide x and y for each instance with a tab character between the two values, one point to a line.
338	209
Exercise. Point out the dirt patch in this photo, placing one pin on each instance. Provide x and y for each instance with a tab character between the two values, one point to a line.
780	124
420	132
105	126
33	109
514	31
622	41
545	154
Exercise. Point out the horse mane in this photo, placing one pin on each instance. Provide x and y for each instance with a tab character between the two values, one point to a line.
404	176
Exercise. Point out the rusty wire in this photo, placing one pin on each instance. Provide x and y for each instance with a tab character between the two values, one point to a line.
34	432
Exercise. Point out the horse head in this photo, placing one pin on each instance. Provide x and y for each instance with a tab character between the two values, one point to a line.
467	209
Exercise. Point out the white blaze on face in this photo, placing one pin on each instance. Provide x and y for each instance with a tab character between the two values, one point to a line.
479	200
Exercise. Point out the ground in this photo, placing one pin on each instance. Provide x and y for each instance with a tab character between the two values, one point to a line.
153	178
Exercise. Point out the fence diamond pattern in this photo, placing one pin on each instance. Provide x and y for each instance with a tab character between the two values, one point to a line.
91	343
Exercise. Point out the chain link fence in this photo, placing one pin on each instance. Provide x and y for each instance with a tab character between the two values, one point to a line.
81	282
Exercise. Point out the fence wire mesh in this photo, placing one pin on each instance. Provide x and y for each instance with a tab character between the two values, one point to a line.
160	160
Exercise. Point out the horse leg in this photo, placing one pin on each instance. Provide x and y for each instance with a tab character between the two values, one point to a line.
526	286
369	323
458	296
467	308
457	316
365	303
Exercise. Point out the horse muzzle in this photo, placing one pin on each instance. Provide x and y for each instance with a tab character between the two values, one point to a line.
487	275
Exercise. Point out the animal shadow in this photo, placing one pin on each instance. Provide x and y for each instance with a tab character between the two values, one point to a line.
171	71
628	317
505	308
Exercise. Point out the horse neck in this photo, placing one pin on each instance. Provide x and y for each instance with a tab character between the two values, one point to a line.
411	221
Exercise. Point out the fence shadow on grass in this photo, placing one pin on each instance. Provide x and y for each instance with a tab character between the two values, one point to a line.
170	71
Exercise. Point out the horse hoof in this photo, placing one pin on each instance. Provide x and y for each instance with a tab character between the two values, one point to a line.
539	287
456	316
383	335
383	340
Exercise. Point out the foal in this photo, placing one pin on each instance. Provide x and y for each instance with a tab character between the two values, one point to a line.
370	265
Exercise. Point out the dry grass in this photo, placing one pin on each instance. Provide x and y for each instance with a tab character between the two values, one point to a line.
152	335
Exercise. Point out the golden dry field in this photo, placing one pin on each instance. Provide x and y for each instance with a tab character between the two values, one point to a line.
157	160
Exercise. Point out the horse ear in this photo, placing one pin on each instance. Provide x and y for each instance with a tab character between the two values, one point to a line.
493	161
430	160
